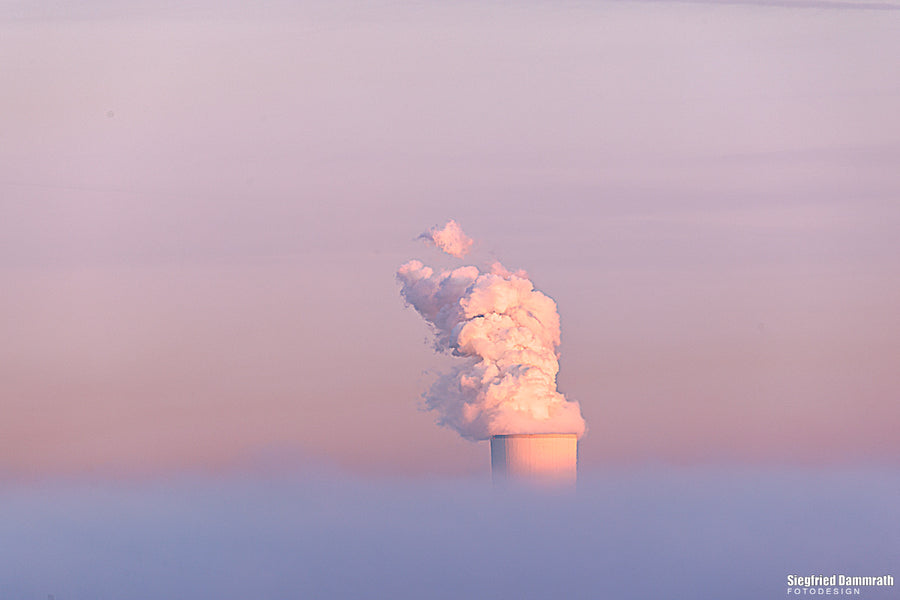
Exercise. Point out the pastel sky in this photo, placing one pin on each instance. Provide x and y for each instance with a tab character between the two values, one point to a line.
202	210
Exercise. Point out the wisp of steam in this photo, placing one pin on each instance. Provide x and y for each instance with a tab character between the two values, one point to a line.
506	334
451	239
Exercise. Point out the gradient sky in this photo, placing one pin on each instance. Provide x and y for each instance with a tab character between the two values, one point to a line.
202	210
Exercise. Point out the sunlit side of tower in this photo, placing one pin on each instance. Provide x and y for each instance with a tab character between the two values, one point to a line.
535	459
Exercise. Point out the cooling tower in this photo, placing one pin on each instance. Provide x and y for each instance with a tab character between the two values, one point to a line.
541	459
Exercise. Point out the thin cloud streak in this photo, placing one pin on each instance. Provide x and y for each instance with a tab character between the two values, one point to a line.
802	4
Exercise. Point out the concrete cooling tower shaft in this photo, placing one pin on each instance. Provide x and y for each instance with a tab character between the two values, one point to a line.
543	459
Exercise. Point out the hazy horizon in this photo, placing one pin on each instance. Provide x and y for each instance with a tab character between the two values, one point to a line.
632	533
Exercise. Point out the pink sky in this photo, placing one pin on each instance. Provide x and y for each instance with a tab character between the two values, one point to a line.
201	213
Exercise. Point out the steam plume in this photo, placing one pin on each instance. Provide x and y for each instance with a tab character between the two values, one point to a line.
507	335
450	239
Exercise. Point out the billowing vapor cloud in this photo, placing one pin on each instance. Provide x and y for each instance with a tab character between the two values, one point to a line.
507	334
451	239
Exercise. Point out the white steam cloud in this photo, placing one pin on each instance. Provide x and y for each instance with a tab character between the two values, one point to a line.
451	239
507	334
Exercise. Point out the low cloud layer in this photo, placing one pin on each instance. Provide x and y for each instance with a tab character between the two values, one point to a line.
627	535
